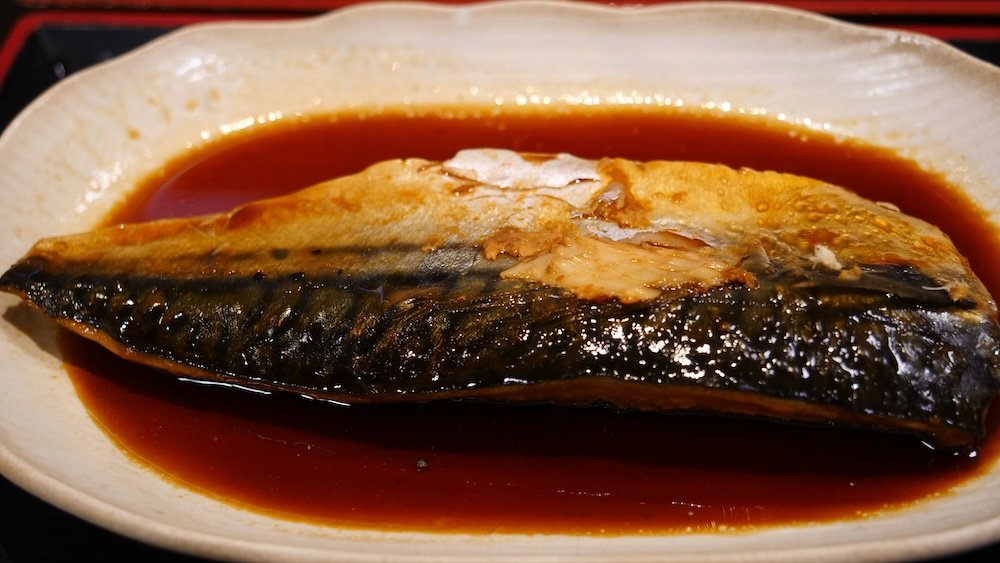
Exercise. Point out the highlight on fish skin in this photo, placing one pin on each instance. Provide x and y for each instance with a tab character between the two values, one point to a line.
529	278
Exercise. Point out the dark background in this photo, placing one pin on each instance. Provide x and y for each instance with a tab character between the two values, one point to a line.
43	42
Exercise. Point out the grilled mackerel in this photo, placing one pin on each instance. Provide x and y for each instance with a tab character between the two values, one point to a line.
503	276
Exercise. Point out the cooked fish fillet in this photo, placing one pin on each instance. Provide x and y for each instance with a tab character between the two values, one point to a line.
505	276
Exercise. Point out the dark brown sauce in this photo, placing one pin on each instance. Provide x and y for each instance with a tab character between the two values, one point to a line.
487	468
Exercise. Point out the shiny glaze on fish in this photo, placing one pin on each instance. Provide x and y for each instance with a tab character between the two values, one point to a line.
494	275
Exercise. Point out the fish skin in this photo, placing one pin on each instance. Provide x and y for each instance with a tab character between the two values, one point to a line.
336	339
377	316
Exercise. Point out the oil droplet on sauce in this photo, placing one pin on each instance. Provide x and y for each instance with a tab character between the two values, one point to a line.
537	469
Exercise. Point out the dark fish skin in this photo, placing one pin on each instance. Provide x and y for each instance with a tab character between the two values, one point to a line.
906	361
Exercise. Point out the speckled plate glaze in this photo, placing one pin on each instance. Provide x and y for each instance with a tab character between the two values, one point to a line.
81	146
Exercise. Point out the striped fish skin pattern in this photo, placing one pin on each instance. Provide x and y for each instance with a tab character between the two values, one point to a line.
760	331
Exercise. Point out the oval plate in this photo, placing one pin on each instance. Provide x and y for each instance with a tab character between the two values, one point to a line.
77	149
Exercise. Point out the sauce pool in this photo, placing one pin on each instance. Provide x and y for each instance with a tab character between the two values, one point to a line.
482	468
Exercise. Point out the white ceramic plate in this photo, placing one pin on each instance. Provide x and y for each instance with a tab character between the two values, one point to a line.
80	146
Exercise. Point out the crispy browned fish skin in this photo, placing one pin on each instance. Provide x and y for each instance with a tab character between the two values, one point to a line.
395	314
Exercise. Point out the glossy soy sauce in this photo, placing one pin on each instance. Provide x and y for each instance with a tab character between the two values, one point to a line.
484	468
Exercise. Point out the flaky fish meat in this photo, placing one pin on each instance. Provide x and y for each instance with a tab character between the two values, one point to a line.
495	275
